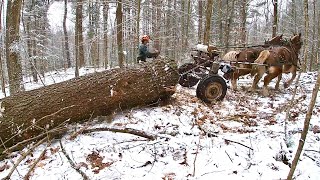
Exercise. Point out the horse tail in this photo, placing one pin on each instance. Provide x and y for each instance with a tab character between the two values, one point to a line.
263	56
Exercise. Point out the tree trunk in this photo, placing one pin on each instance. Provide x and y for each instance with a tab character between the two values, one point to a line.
105	33
275	18
34	112
220	21
66	38
79	51
137	39
200	21
207	31
305	127
243	36
306	35
187	24
12	44
120	34
79	37
314	44
30	52
228	26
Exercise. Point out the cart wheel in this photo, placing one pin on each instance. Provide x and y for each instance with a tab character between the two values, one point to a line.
187	75
212	88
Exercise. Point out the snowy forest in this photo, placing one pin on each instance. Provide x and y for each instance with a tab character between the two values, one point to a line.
76	104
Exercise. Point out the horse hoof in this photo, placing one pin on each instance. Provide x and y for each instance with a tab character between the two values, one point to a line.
251	89
265	93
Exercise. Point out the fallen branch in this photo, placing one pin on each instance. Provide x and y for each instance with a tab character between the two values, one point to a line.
54	132
73	165
305	127
291	103
75	134
228	140
23	156
309	157
27	176
307	150
195	158
228	156
123	130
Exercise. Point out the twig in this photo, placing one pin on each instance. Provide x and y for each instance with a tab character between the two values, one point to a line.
312	151
75	134
27	176
123	130
155	157
52	131
309	157
49	115
23	156
229	156
227	140
73	165
195	158
291	103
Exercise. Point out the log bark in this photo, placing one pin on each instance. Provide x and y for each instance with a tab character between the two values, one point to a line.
27	114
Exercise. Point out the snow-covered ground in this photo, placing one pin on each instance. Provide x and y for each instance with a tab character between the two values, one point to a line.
241	137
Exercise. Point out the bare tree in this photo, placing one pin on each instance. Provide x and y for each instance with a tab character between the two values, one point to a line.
12	46
105	33
275	18
243	22
66	38
79	38
207	31
305	127
306	34
120	33
200	15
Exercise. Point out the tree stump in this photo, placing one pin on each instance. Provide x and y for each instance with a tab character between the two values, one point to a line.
26	115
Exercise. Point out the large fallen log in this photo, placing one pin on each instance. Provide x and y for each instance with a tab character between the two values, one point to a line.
28	114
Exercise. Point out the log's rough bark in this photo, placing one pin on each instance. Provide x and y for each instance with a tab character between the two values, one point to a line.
27	114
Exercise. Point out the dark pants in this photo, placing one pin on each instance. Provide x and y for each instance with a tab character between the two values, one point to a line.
140	59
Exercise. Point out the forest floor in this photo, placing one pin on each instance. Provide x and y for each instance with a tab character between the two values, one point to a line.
242	137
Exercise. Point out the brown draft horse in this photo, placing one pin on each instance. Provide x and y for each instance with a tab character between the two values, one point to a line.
280	60
248	55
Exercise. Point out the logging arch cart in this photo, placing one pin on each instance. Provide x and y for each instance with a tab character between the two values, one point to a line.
204	72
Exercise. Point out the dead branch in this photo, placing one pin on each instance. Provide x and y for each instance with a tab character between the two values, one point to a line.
305	127
309	157
23	156
228	156
195	158
291	103
54	132
75	134
123	130
27	176
44	117
228	140
307	150
73	165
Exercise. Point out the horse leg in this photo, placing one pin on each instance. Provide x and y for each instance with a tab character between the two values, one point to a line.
259	73
293	70
234	77
278	82
273	72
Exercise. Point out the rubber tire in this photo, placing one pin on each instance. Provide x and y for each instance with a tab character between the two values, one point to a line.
187	80
212	84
